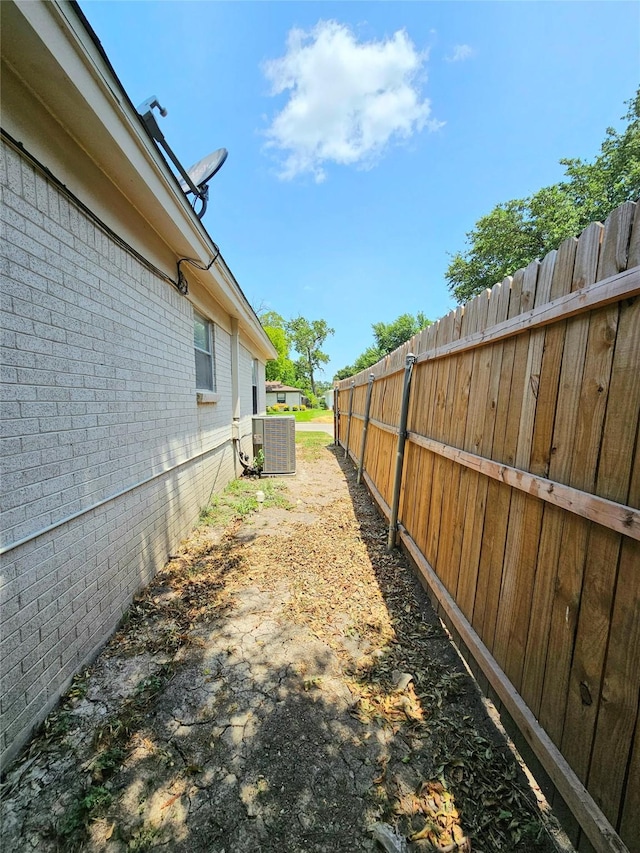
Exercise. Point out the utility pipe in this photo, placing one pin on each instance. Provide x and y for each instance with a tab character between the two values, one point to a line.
402	437
346	445
367	407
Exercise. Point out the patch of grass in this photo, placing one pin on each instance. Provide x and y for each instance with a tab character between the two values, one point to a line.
144	839
73	825
312	445
309	415
239	500
112	736
106	762
110	744
56	725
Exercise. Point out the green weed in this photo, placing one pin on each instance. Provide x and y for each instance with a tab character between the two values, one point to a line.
313	445
94	803
144	839
239	500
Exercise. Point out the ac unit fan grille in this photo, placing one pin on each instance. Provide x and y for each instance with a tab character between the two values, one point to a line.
279	445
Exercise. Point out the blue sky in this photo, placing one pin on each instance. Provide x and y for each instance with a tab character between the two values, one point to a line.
365	139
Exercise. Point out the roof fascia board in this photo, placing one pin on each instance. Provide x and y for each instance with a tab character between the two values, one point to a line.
66	69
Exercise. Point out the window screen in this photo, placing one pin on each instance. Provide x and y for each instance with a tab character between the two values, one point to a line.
203	343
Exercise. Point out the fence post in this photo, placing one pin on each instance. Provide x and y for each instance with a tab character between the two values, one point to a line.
336	417
402	437
367	407
346	444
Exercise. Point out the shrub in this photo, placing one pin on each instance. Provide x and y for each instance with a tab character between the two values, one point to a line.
294	408
303	408
285	408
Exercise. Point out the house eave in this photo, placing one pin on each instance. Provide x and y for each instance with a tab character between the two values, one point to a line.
52	51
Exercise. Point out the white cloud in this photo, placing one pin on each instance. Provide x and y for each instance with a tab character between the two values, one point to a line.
460	53
347	100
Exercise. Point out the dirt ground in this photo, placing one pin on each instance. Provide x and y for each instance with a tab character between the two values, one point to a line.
283	685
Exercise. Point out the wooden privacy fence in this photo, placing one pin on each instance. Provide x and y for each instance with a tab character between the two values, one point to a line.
517	495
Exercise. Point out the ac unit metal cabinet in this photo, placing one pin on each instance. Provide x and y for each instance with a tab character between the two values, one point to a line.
276	437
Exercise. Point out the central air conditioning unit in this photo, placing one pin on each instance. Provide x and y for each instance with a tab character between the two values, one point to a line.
275	435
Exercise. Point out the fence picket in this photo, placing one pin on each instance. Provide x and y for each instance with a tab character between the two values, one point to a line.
445	335
473	515
457	486
526	512
603	546
541	454
620	705
513	606
565	468
482	614
629	826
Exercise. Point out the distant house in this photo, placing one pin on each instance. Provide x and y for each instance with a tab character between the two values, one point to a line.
132	362
276	392
328	398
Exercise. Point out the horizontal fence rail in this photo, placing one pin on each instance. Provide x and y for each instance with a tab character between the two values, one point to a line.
507	462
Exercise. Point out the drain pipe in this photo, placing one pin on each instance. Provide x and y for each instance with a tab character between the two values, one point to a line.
367	408
402	437
346	444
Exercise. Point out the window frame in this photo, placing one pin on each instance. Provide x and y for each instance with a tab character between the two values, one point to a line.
255	369
282	394
210	353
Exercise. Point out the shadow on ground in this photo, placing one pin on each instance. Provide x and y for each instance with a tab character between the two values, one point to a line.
280	686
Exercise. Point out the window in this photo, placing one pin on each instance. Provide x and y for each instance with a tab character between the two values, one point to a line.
203	342
254	384
282	397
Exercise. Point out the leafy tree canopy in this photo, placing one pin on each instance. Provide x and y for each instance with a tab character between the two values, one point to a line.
272	319
282	369
307	338
388	337
516	232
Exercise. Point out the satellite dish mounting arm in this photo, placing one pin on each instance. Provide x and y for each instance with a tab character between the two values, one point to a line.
146	112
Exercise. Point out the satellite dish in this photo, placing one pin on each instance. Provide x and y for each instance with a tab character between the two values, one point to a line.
196	179
202	172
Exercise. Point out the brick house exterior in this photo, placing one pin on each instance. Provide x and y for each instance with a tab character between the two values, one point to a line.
109	447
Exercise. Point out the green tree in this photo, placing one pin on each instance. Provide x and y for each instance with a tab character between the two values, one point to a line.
345	372
518	231
272	319
282	369
388	337
307	338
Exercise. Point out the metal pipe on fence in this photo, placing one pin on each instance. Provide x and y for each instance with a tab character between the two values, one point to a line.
402	438
346	444
367	407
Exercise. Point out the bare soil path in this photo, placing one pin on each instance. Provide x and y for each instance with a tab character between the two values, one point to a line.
283	685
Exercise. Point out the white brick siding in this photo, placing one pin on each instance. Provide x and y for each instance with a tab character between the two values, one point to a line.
98	395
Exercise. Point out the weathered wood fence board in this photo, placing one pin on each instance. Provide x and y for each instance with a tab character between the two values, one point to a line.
521	493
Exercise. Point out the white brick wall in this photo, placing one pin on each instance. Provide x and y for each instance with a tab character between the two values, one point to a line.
97	378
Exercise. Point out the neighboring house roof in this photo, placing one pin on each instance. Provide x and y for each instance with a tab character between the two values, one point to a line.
278	386
87	115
